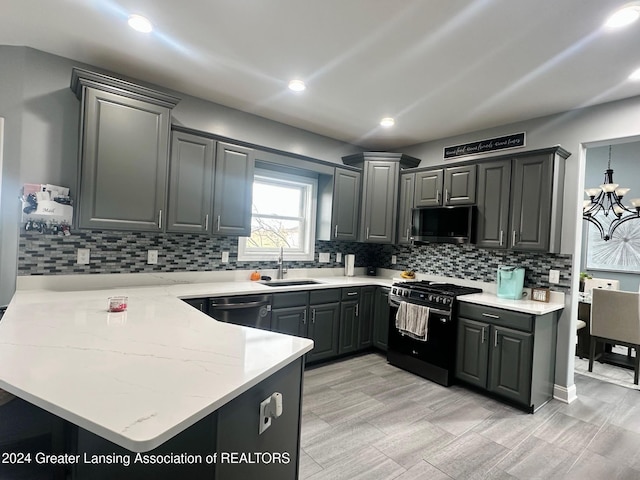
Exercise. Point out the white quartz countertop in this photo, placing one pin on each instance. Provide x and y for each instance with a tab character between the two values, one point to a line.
525	306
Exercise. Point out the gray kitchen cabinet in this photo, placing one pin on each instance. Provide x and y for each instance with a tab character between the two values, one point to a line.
190	183
201	304
346	205
324	330
446	186
366	314
124	152
289	313
233	190
407	188
381	319
510	354
349	320
380	184
520	201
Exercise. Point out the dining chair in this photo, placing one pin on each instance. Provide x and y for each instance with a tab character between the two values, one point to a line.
615	318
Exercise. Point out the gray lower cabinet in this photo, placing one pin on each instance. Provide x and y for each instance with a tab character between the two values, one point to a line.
346	205
124	149
407	188
349	320
190	183
366	314
445	186
381	318
201	304
520	201
324	330
510	354
233	190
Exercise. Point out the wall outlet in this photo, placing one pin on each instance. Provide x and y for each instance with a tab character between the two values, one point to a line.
338	257
394	259
225	257
152	257
265	415
554	276
84	256
323	257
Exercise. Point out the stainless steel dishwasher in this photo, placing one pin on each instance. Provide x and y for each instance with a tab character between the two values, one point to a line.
248	310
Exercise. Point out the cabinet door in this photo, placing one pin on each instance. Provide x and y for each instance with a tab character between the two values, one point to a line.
460	185
407	187
233	190
323	330
428	191
292	321
125	150
190	183
531	203
494	181
381	319
472	352
348	338
346	205
200	303
380	202
365	316
511	364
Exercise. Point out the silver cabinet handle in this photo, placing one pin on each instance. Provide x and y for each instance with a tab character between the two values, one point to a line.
367	233
160	219
218	223
438	196
495	338
357	310
206	222
313	315
352	293
335	234
447	197
408	230
490	315
482	341
513	242
501	235
304	316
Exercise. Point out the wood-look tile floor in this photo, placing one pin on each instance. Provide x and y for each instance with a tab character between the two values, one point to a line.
365	419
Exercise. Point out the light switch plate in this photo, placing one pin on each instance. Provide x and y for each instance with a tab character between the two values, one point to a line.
338	257
394	259
84	256
225	257
152	257
554	276
323	257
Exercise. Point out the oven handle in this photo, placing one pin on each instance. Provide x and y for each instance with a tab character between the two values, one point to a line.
396	304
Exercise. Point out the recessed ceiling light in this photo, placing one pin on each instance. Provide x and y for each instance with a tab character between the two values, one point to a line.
635	75
623	17
387	122
140	23
297	85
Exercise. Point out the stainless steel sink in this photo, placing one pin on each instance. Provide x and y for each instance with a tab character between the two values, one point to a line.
289	283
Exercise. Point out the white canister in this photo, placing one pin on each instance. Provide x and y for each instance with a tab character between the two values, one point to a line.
349	265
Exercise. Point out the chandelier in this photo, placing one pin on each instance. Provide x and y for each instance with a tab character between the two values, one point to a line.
607	200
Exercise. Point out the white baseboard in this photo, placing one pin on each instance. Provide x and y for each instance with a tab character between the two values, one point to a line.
565	394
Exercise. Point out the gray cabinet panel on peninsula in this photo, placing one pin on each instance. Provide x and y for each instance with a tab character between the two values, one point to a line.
123	157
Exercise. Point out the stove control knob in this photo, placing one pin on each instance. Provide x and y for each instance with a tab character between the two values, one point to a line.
431	298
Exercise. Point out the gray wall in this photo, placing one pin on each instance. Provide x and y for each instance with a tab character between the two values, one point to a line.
41	135
625	160
574	130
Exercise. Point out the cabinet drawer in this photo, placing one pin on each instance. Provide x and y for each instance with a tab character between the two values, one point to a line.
351	293
290	299
317	297
496	316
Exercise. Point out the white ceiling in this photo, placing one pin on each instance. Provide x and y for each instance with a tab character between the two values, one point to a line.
440	67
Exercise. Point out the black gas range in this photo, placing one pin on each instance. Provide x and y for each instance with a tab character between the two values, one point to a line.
433	356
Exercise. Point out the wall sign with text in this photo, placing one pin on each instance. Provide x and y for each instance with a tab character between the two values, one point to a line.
515	140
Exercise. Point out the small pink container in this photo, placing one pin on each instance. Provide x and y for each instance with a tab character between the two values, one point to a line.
118	304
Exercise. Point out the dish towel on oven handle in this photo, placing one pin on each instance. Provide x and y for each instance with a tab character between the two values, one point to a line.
413	320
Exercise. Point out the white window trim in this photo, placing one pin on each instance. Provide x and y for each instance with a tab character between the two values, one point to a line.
308	248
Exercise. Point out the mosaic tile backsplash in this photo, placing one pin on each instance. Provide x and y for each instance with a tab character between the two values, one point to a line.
126	252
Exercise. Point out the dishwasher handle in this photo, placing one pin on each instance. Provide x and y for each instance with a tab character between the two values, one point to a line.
235	306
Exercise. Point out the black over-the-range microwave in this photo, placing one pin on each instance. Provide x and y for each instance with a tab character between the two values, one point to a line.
444	224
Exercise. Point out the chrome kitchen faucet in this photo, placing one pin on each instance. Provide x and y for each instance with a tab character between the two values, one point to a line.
282	270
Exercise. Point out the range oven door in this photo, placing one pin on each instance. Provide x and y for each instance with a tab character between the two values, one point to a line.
438	350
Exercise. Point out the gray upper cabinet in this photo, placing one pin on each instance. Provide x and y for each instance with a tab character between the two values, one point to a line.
233	190
428	189
124	151
446	186
380	202
407	187
190	183
346	205
520	201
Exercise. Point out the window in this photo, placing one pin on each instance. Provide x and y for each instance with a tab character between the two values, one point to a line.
283	215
